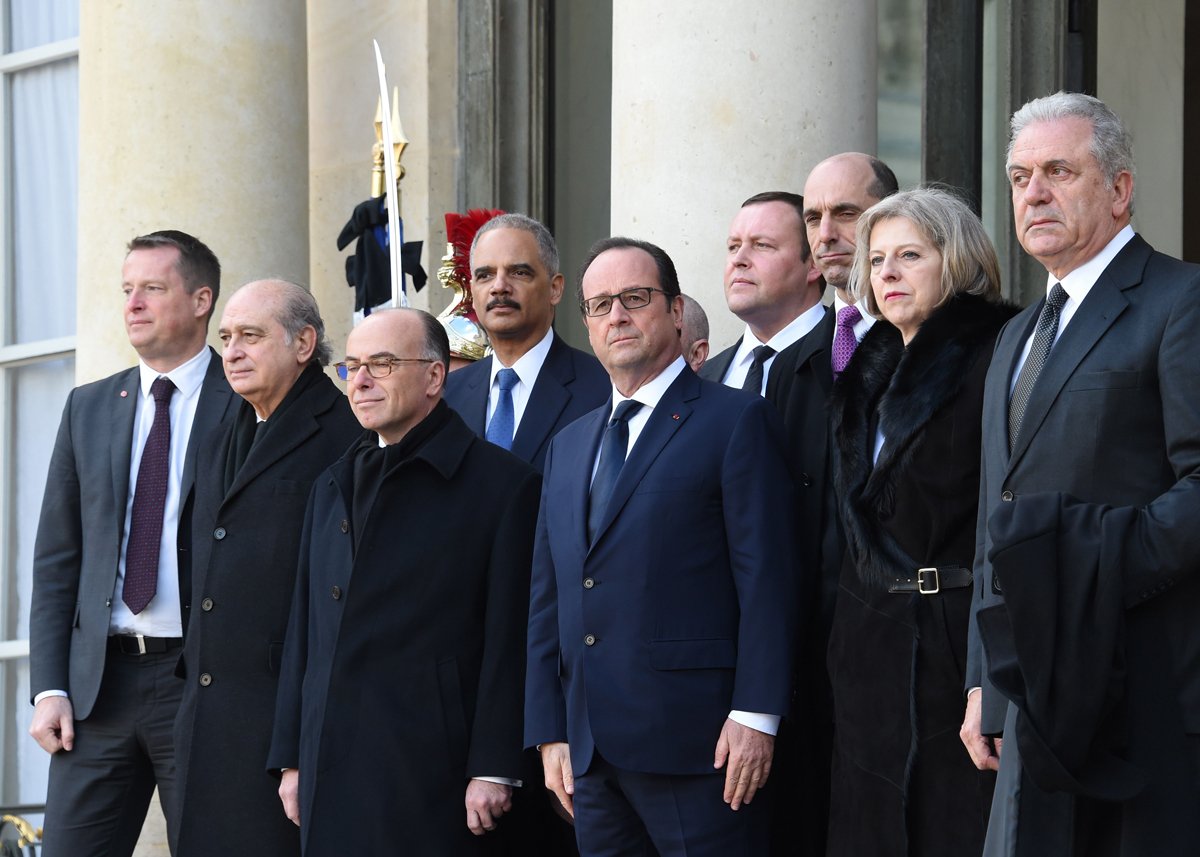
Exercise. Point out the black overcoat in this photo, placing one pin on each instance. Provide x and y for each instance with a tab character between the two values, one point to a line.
902	782
245	544
403	673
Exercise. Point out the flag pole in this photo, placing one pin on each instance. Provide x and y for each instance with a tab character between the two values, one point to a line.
399	299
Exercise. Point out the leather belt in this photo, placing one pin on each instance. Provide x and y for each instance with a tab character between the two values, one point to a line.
931	581
137	644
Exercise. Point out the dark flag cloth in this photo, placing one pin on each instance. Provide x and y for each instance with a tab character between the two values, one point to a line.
367	271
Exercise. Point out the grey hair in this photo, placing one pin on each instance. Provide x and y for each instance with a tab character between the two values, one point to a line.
298	309
969	264
547	249
1112	145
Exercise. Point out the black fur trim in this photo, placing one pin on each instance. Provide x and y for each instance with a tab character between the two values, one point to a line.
898	390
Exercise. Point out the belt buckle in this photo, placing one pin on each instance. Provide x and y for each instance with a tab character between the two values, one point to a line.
141	641
923	575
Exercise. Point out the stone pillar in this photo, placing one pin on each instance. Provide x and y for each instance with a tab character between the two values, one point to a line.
193	115
712	105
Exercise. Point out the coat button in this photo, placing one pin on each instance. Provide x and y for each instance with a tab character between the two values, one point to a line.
205	679
805	480
336	592
589	640
206	605
1007	496
219	533
345	526
588	583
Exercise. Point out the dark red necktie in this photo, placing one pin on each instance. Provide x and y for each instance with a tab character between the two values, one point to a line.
149	500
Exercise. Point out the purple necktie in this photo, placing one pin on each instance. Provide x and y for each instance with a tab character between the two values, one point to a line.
844	341
149	500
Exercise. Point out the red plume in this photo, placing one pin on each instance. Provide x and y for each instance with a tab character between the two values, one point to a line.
460	231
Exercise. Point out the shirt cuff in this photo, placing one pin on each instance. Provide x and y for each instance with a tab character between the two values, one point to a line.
46	694
973	690
500	781
767	723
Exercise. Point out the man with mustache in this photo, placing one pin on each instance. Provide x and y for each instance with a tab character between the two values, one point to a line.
1083	644
838	190
770	284
534	383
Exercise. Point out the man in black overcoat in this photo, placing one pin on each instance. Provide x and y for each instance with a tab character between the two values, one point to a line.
399	715
252	486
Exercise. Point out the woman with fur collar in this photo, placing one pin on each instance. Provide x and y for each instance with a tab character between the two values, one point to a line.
906	439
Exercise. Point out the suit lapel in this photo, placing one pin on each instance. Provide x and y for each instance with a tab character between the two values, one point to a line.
1099	310
211	409
283	438
121	416
718	367
671	412
815	348
478	386
548	398
577	467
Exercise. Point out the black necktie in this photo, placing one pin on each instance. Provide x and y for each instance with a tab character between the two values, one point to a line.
1043	341
613	449
754	376
149	500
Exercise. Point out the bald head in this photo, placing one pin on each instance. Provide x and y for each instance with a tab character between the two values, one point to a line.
270	330
838	190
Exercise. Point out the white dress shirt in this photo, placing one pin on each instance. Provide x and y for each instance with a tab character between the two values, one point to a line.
527	367
649	394
1076	284
744	356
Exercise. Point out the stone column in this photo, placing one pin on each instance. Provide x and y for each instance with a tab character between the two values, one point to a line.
713	103
193	115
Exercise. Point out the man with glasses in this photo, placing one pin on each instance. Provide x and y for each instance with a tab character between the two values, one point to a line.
398	719
663	599
533	383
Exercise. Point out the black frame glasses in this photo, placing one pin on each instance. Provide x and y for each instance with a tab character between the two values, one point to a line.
631	299
377	367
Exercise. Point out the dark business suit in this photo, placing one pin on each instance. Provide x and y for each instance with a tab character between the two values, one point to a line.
74	575
1114	421
570	384
247	539
799	385
715	368
402	668
683	607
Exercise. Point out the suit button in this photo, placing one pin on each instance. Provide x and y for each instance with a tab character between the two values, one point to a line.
1007	496
205	679
336	592
206	605
345	526
588	583
589	640
219	533
805	480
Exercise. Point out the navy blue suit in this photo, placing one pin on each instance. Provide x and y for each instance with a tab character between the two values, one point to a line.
570	384
683	608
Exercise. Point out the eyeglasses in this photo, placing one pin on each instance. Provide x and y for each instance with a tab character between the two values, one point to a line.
377	367
630	299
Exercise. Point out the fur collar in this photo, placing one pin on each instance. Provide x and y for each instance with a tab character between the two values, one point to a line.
898	390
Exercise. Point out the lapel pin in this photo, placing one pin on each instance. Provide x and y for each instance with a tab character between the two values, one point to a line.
124	393
674	416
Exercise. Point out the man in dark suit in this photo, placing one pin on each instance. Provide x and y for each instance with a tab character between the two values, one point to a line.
663	600
771	284
399	709
1091	415
837	191
252	485
534	383
110	569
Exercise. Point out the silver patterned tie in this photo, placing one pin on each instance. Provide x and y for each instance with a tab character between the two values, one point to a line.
1043	341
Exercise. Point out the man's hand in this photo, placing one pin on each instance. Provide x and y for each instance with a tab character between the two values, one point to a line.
984	752
289	793
486	802
749	754
556	763
53	724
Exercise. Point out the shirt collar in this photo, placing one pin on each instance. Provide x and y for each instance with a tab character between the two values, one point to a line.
650	392
795	330
187	377
529	364
1080	281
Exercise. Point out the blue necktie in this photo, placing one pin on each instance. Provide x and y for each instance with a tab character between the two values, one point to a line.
500	429
613	449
